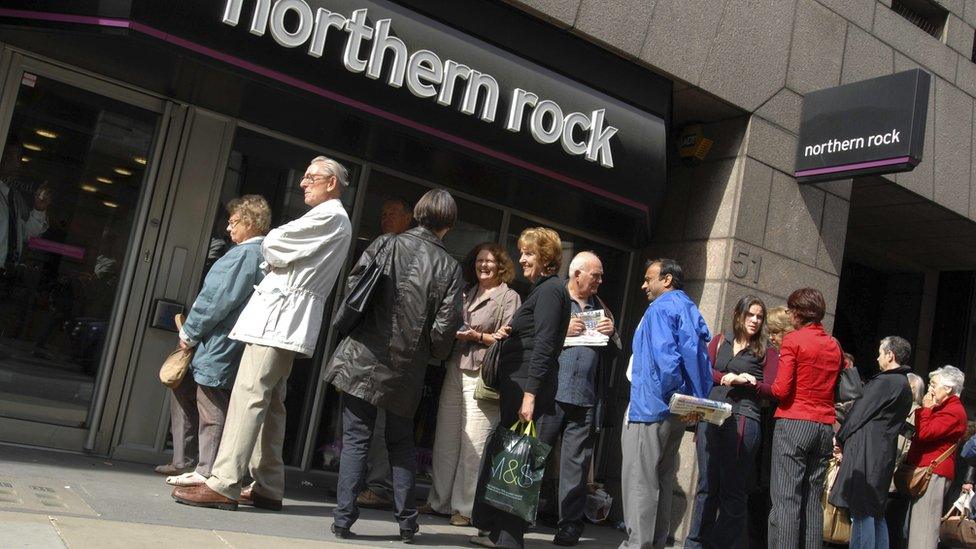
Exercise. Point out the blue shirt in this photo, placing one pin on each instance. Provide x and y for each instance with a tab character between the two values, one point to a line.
577	367
670	356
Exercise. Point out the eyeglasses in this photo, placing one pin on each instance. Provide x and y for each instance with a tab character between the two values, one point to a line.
233	222
312	179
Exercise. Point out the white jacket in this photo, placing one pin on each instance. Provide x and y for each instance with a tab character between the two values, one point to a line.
304	257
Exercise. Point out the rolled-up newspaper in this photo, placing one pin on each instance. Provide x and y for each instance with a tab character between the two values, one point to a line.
711	411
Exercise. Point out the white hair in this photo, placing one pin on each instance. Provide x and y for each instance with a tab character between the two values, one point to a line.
951	377
338	170
581	260
917	384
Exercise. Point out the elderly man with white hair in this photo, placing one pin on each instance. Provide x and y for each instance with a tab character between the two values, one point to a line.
281	320
579	395
939	425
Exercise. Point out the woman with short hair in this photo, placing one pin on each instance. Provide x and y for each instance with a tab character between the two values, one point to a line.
464	422
809	362
939	425
413	316
202	398
743	367
527	369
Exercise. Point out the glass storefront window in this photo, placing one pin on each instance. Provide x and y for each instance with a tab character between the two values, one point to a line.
71	174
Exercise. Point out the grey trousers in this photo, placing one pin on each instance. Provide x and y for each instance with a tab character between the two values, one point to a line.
575	455
925	515
800	453
379	475
183	421
650	464
205	409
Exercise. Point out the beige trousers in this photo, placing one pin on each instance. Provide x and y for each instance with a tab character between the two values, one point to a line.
463	426
254	432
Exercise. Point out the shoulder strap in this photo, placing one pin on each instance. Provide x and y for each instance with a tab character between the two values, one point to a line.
945	455
713	346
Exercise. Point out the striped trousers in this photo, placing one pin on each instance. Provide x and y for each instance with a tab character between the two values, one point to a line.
800	453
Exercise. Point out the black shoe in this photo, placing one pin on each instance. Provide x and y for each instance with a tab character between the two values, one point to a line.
567	536
406	536
341	533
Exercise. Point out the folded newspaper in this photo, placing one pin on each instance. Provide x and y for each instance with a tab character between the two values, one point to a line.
711	411
590	337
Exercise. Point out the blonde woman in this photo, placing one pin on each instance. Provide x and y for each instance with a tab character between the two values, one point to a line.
528	366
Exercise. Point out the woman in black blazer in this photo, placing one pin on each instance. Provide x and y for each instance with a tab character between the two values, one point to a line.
528	367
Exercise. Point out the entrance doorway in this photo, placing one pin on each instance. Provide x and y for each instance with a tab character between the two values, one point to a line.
75	171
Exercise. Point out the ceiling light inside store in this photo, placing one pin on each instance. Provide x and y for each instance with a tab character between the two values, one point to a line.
89	188
33	147
139	160
110	204
46	133
122	171
105	180
25	159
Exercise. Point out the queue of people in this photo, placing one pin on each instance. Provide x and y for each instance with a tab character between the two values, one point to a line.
778	370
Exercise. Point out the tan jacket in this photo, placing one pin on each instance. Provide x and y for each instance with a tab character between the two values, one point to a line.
486	313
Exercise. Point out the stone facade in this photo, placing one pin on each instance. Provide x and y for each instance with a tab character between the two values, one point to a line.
739	222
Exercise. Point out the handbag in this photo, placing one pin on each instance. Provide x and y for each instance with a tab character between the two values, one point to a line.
912	480
176	365
487	386
837	520
516	470
354	304
958	528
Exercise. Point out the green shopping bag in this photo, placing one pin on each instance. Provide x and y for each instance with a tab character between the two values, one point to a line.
516	471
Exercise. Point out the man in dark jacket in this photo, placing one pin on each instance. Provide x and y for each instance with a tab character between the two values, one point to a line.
412	316
869	439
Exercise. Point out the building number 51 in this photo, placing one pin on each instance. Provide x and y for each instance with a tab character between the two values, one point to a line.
741	265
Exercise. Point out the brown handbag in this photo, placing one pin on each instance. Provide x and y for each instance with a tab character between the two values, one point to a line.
176	365
958	528
837	520
912	480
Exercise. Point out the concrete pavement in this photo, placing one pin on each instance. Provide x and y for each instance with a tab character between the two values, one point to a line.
51	499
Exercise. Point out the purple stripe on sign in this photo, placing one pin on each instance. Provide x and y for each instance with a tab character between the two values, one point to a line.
321	92
852	167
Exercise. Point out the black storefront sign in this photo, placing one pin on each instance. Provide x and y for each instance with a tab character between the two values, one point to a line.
386	60
870	127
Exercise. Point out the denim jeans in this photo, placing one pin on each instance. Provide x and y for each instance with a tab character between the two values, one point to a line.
726	460
868	532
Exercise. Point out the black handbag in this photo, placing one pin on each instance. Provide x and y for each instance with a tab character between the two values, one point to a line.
489	366
357	300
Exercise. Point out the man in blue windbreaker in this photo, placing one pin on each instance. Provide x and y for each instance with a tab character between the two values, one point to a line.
669	356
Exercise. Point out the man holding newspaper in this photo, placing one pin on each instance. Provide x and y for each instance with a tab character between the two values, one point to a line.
669	357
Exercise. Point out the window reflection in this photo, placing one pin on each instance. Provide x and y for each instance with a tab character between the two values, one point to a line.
71	175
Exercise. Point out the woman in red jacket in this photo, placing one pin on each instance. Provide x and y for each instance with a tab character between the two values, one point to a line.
939	424
809	361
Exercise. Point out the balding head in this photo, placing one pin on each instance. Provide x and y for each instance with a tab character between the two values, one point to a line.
585	275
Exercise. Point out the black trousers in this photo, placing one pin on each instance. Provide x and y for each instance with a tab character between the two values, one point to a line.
575	454
508	530
358	420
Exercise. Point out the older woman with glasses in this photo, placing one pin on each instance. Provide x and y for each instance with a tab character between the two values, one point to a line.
464	422
202	399
939	425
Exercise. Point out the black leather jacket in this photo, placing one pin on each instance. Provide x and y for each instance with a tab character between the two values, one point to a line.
413	318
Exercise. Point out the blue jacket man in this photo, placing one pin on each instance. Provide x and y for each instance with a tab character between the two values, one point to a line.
670	356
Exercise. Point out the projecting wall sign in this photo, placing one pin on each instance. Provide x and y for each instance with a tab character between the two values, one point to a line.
369	49
869	127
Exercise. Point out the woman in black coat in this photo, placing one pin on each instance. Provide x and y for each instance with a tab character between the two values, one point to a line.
868	439
527	371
